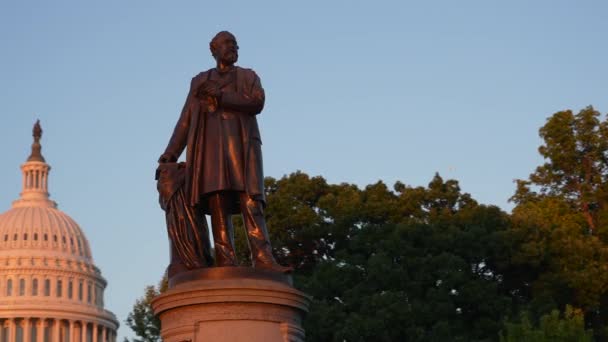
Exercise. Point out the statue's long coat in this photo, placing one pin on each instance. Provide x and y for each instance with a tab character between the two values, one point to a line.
224	146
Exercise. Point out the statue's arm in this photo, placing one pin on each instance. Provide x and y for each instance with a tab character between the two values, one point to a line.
178	140
251	101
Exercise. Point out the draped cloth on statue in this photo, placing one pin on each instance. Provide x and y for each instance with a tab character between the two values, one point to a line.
188	231
223	145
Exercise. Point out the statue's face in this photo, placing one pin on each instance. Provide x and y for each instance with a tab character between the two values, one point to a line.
226	49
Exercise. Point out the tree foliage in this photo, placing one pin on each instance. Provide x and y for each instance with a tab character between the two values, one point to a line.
553	327
560	219
422	267
406	263
576	165
142	320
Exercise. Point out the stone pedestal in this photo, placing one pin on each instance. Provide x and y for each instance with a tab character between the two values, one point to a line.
231	304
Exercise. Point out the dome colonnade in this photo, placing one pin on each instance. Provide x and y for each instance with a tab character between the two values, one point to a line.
50	289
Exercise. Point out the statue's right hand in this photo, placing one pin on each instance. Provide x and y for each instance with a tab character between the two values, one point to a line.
167	158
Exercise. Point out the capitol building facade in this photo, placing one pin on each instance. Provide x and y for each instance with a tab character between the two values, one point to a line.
50	289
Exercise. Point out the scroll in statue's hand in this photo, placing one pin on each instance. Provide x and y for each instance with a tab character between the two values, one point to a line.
209	88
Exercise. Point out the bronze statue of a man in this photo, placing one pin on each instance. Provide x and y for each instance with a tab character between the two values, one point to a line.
224	173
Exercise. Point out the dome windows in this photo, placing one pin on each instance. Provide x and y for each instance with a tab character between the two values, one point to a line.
35	287
22	287
47	287
59	288
70	288
43	229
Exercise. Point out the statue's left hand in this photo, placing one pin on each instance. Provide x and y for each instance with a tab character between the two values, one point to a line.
167	158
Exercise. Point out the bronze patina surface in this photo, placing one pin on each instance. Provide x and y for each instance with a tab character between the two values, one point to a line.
223	173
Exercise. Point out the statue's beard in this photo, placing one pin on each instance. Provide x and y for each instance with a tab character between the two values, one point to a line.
230	57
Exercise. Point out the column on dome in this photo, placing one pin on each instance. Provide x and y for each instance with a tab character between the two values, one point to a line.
1	330
40	330
64	328
104	333
71	333
56	330
83	331
27	329
95	332
12	330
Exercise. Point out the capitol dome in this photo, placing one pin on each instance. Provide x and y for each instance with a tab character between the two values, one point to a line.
50	289
42	231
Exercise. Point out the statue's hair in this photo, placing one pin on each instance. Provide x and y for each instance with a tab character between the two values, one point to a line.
213	42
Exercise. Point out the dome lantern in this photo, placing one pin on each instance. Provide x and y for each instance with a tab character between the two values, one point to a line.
35	177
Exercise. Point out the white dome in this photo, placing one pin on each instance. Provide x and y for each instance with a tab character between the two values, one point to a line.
50	289
42	230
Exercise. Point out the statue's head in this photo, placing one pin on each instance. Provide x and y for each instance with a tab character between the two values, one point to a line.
224	48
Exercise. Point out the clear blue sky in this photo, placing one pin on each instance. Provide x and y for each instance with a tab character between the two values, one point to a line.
357	91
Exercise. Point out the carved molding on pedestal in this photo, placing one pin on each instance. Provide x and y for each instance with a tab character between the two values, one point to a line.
254	307
292	333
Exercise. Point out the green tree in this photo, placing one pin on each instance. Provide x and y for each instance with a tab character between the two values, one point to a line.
407	263
553	327
421	265
576	169
142	320
561	220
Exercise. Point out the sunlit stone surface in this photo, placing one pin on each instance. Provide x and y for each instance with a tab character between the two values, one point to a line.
50	289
